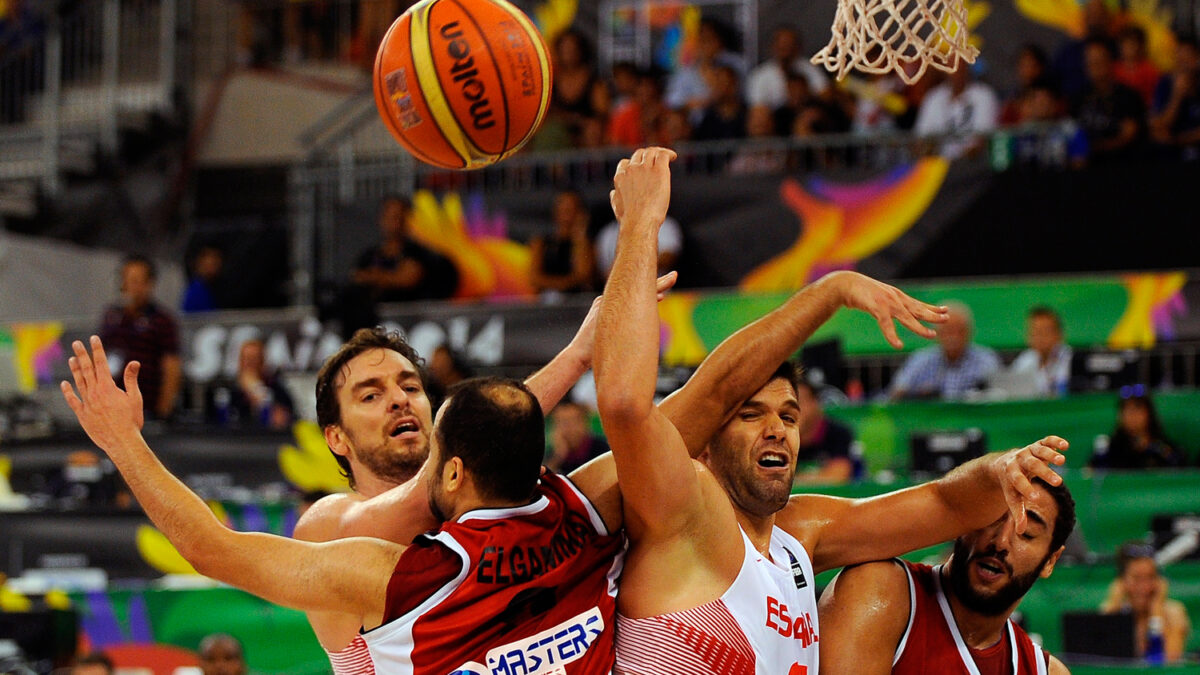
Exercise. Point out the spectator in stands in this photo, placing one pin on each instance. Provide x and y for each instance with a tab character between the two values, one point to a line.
950	369
824	455
962	108
767	84
1046	361
806	113
635	120
1141	590
1176	117
203	292
398	269
140	330
689	86
1138	442
670	244
562	260
259	396
1069	70
758	157
875	103
1039	102
1033	67
673	129
93	663
447	368
221	654
1133	67
1111	115
725	115
577	89
572	443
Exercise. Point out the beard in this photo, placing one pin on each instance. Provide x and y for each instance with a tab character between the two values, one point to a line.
394	465
996	603
748	491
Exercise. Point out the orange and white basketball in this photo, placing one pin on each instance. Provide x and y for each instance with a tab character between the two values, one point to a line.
462	84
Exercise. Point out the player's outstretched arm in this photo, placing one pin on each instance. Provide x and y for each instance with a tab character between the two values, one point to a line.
744	361
847	531
552	382
658	482
349	575
863	614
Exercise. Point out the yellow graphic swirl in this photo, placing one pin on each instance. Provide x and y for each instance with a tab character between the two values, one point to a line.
1063	15
309	465
684	345
837	234
1135	328
555	16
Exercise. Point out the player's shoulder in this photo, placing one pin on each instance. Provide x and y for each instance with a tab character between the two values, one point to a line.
885	578
323	520
1057	667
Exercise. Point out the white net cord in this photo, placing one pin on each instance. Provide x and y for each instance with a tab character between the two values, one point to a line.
881	36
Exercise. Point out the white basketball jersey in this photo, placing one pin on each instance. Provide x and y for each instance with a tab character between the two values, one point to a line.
764	624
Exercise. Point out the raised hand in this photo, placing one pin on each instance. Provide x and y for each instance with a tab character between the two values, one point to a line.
642	186
887	304
106	413
585	338
1017	469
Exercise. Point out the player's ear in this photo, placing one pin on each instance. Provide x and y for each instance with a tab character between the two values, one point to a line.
336	439
452	474
1048	569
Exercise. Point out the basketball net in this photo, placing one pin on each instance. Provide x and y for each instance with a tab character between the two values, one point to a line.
905	36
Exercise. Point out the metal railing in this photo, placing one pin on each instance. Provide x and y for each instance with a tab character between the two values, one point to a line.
358	162
106	59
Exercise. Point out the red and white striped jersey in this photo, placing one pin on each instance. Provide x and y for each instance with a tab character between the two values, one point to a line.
933	644
530	589
764	624
353	659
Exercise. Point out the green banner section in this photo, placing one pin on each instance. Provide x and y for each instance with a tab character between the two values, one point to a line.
1090	307
276	639
885	429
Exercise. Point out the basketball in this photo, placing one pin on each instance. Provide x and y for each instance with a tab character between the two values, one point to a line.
462	84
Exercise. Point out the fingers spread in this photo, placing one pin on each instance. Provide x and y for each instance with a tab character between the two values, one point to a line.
889	330
72	400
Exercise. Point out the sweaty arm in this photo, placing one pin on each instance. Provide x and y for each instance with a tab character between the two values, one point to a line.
350	575
842	532
744	361
659	483
863	612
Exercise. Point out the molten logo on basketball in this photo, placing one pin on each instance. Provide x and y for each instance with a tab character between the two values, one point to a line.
464	73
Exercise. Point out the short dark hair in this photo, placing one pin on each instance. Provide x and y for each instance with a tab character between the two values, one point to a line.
95	658
1133	550
213	639
1133	32
139	259
329	411
1064	523
401	199
790	371
1104	43
1046	312
495	426
1037	53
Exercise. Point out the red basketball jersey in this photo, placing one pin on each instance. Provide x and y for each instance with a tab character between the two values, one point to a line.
932	643
530	590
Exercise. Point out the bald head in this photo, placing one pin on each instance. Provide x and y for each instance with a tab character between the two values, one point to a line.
954	336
